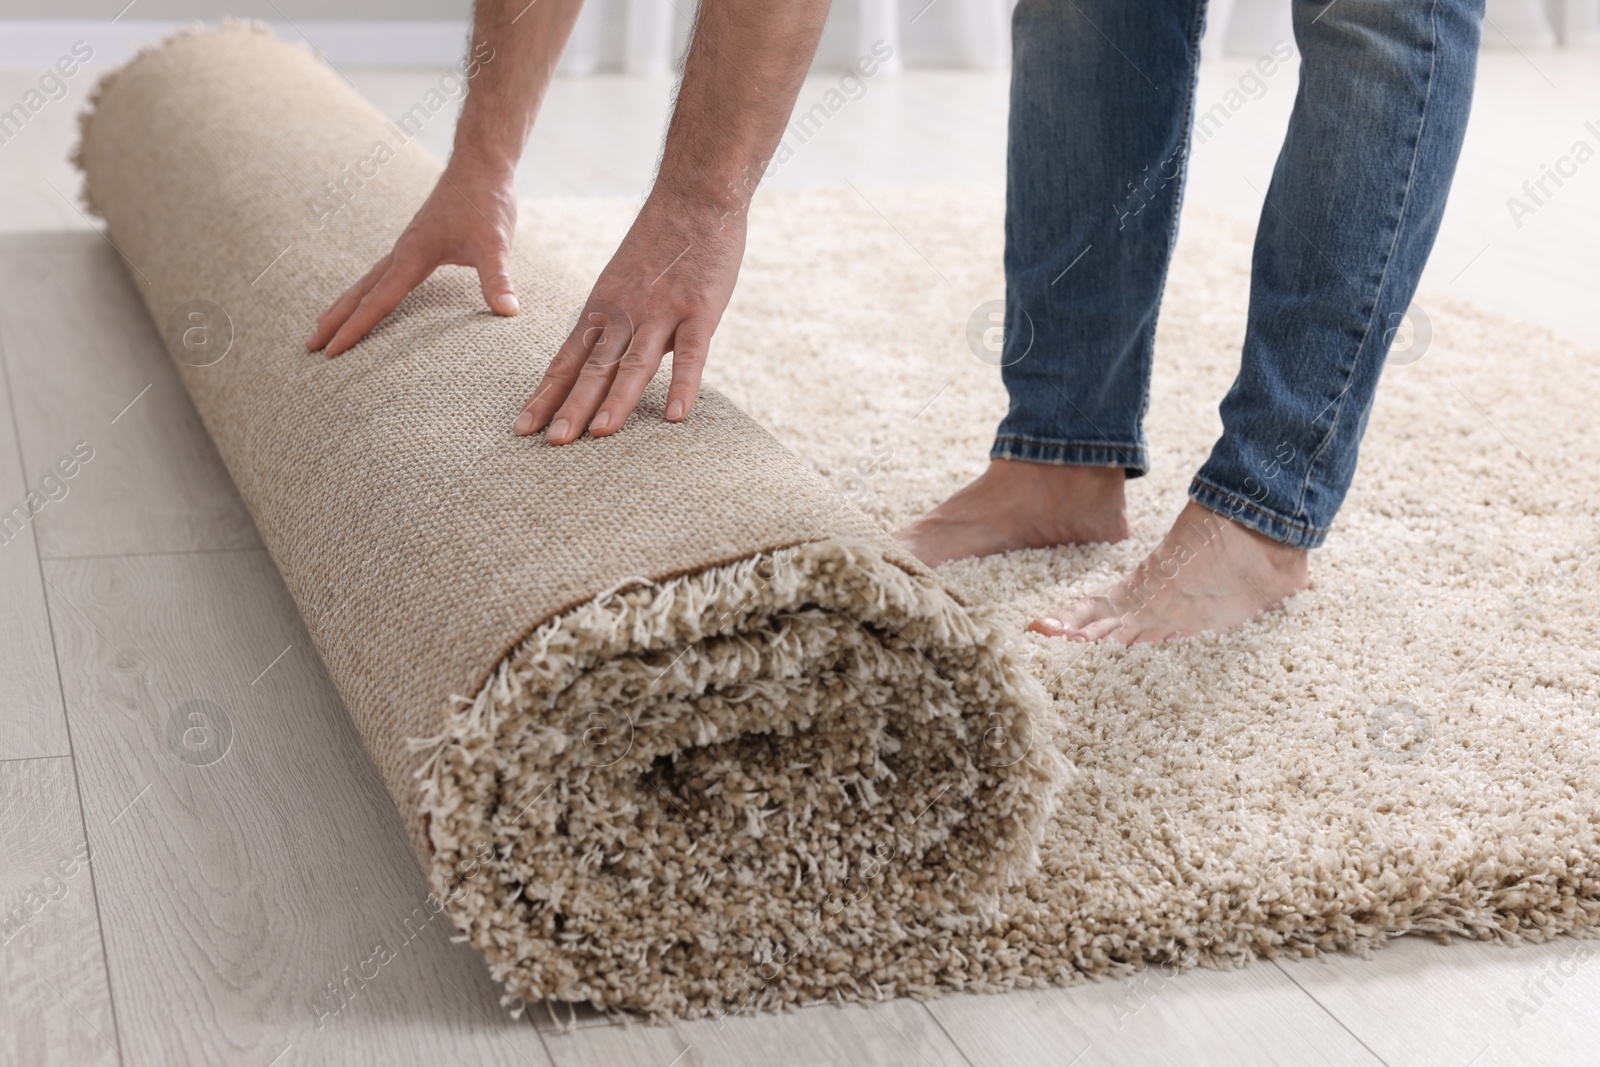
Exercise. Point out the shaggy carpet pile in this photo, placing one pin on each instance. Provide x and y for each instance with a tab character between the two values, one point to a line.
676	728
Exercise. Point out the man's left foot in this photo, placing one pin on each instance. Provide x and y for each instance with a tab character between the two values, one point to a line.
1209	573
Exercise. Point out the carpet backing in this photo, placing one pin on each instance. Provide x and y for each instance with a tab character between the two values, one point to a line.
1411	747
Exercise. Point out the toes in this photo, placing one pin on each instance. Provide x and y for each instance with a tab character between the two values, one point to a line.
1061	624
1088	610
1071	620
1048	626
1151	636
1100	630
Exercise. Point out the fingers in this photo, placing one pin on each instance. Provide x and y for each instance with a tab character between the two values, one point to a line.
380	290
469	226
689	350
498	292
551	391
591	385
402	276
587	387
594	330
598	381
633	375
600	372
329	321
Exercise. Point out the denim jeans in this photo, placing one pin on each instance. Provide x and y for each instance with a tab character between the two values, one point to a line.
1102	108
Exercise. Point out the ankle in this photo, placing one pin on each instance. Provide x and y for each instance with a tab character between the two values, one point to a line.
1286	561
1082	484
1059	503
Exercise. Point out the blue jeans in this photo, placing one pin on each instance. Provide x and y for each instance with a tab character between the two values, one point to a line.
1102	107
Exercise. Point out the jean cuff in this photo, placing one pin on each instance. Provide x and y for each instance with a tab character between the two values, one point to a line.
1255	517
1132	458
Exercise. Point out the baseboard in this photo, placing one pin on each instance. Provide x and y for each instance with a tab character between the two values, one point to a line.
37	44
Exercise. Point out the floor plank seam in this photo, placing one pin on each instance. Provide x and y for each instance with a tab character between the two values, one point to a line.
61	692
147	555
1327	1011
948	1036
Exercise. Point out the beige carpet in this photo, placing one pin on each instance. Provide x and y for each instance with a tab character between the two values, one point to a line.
803	807
1414	746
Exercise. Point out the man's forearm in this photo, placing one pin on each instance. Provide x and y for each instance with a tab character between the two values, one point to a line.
674	272
747	61
470	217
515	46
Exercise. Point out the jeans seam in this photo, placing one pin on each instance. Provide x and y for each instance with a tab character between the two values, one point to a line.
1110	446
1186	141
1135	459
1383	278
1247	505
1128	451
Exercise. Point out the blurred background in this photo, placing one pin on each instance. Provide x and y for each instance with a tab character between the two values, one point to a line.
645	36
936	112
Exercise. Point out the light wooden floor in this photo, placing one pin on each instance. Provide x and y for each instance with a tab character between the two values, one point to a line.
230	879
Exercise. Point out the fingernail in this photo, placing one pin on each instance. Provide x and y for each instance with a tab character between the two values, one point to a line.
601	421
1054	624
509	305
557	429
524	423
675	411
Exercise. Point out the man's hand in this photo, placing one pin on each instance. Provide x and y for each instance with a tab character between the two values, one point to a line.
469	220
669	282
471	215
664	291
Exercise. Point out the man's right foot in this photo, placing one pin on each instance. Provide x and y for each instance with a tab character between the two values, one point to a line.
1015	504
1209	573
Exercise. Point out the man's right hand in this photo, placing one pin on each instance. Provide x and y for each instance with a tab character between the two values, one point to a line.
667	285
469	219
664	291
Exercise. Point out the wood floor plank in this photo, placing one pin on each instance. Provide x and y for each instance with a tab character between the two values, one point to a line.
613	1045
895	1033
1253	1015
892	1033
31	720
55	1003
259	901
91	378
1420	1002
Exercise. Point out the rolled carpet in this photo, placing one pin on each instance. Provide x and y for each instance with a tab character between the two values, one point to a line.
672	725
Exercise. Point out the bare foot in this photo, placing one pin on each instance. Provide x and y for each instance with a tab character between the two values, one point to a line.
1022	505
1209	573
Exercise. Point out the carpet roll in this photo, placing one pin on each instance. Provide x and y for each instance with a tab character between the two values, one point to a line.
672	726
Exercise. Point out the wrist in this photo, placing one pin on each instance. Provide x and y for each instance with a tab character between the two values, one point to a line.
721	191
482	157
481	166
